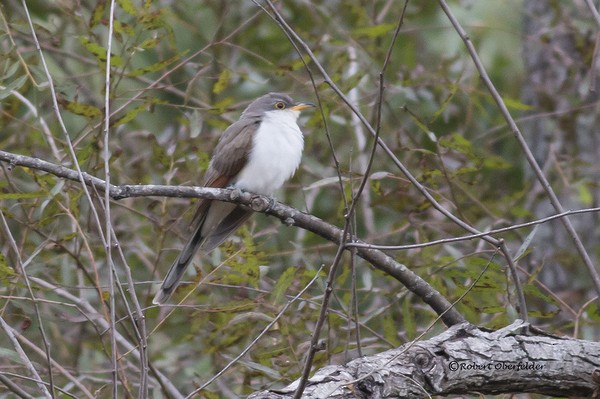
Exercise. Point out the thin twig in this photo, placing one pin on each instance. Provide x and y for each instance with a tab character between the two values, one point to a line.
314	341
593	10
138	321
24	358
21	266
107	222
479	235
14	387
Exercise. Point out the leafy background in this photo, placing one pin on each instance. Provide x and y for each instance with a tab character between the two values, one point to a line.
181	72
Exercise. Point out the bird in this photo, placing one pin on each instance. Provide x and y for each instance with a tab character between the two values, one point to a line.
258	153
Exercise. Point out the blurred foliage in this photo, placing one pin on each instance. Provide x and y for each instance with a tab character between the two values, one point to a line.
182	71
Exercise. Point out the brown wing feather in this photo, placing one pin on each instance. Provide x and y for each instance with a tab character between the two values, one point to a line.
229	157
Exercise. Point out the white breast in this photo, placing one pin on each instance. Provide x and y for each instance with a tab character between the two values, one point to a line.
275	155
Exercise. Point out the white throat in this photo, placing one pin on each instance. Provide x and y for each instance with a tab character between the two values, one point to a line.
276	152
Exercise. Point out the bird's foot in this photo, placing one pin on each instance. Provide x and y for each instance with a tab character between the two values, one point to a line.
261	203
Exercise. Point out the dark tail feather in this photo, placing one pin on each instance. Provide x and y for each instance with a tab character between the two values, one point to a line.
223	219
178	268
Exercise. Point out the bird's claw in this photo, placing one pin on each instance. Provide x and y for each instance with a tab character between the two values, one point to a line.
261	203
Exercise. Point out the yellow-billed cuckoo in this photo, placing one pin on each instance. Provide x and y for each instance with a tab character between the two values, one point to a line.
258	153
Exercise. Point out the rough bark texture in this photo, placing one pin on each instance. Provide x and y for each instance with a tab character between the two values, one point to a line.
464	359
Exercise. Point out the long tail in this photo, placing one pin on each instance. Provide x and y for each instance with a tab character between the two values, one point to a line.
216	221
178	267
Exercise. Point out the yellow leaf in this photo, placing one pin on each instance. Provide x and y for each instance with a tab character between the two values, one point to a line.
222	82
100	52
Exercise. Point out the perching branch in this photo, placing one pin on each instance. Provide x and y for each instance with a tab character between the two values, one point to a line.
288	215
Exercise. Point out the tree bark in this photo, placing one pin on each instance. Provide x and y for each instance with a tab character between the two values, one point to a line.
464	359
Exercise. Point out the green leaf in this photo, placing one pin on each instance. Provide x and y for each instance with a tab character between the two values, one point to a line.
14	85
84	153
297	64
458	143
422	126
516	104
156	20
533	290
128	7
150	42
543	314
593	311
159	153
495	162
453	90
283	283
5	270
67	237
373	32
122	28
390	330
20	196
132	113
156	66
97	13
220	107
585	195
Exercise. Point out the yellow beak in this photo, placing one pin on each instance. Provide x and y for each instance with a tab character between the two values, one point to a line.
301	106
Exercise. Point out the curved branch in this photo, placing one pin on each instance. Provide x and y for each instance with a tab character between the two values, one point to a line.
462	359
288	215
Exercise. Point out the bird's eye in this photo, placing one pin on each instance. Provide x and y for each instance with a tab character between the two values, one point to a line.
279	105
